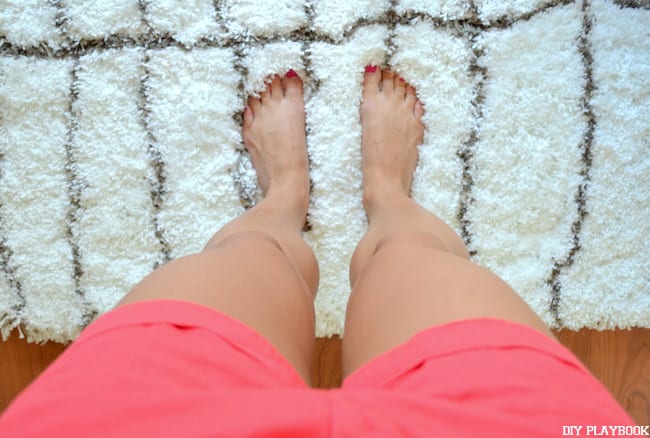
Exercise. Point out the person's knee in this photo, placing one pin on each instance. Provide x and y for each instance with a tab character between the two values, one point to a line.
244	236
416	238
292	249
409	239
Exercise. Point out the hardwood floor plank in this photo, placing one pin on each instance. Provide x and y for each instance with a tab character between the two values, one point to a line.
21	363
327	371
620	359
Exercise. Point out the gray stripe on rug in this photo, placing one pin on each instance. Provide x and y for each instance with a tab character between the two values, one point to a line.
157	163
500	13
156	160
581	196
242	171
74	195
608	284
192	111
34	196
73	187
466	151
110	149
526	174
243	175
12	299
633	4
446	87
311	86
390	17
142	7
211	37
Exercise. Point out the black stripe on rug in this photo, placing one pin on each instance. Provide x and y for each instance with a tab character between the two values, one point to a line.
585	171
466	151
8	268
74	194
238	47
156	160
246	198
157	163
142	6
391	20
633	4
74	187
313	83
7	265
160	40
505	21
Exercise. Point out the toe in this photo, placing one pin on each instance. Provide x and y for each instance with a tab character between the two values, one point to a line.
265	96
400	86
248	117
254	104
293	84
418	110
387	77
371	80
410	95
276	87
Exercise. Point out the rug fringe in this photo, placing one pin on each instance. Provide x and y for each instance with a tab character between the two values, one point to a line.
8	323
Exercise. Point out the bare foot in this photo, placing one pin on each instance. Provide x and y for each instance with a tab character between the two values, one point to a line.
274	135
391	116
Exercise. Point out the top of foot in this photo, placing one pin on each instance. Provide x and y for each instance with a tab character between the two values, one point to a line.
274	135
391	118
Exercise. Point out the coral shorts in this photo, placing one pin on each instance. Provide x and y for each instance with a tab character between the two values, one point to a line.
175	369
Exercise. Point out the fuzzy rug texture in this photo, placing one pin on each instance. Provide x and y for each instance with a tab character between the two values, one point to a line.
121	142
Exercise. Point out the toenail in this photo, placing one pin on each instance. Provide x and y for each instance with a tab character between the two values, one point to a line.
371	68
291	74
401	79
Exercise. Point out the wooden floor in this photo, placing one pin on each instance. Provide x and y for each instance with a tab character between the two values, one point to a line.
620	359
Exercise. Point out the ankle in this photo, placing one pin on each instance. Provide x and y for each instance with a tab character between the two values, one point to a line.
382	199
289	201
290	191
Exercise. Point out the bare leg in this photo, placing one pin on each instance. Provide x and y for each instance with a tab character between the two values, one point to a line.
257	268
410	271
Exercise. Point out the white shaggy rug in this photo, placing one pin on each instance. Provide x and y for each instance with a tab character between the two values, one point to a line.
121	147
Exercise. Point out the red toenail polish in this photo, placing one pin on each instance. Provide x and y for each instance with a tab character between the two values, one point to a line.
401	79
371	68
291	74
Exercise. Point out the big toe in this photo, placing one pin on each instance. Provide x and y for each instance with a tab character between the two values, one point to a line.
293	84
371	80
